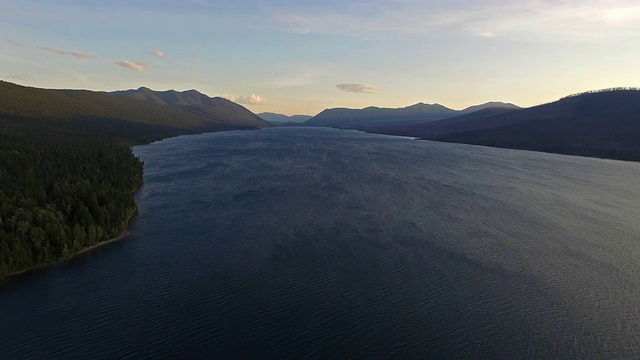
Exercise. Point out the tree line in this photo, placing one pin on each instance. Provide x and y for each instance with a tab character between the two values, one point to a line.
61	194
67	174
623	88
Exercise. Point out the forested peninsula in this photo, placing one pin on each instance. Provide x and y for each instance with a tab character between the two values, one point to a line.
67	172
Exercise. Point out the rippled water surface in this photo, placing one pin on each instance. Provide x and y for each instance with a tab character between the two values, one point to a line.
320	243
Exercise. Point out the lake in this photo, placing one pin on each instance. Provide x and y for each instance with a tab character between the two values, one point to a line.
323	243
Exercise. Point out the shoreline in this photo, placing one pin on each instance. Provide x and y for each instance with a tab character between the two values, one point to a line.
80	252
87	249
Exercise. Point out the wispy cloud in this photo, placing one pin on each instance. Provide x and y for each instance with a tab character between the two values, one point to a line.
299	23
248	100
356	88
81	55
77	55
530	20
19	77
13	42
552	21
134	65
196	56
157	53
53	50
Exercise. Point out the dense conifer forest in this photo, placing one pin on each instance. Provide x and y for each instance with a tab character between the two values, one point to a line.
67	173
61	195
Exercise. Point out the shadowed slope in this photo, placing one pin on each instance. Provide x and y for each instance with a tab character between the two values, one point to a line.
214	109
47	112
604	124
369	118
596	124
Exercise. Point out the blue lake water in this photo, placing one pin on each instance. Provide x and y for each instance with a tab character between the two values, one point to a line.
322	243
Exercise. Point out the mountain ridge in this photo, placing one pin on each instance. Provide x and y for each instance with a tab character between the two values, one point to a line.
214	108
603	124
280	119
420	112
36	111
67	170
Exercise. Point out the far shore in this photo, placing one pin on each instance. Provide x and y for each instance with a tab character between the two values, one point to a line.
82	251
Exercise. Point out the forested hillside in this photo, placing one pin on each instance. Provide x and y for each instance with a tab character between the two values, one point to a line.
604	123
67	174
58	198
219	109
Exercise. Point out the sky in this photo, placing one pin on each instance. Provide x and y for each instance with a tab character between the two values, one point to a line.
300	57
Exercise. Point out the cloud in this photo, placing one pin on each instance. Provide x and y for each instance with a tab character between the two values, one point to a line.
54	50
13	42
356	88
248	100
81	55
196	56
157	53
20	77
77	55
527	20
134	65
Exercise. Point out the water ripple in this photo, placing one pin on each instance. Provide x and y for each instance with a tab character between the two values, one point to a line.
321	244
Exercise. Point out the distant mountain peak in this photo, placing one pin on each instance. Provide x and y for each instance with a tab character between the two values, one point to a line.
374	116
215	109
596	123
354	118
276	118
489	105
424	105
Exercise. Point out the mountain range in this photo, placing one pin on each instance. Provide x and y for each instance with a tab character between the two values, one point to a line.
132	116
602	124
67	172
345	118
216	109
280	119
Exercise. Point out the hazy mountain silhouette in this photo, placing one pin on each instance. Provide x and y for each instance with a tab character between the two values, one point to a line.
280	119
63	112
216	108
362	119
471	121
597	124
600	124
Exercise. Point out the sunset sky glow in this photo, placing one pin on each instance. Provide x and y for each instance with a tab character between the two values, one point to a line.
296	57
